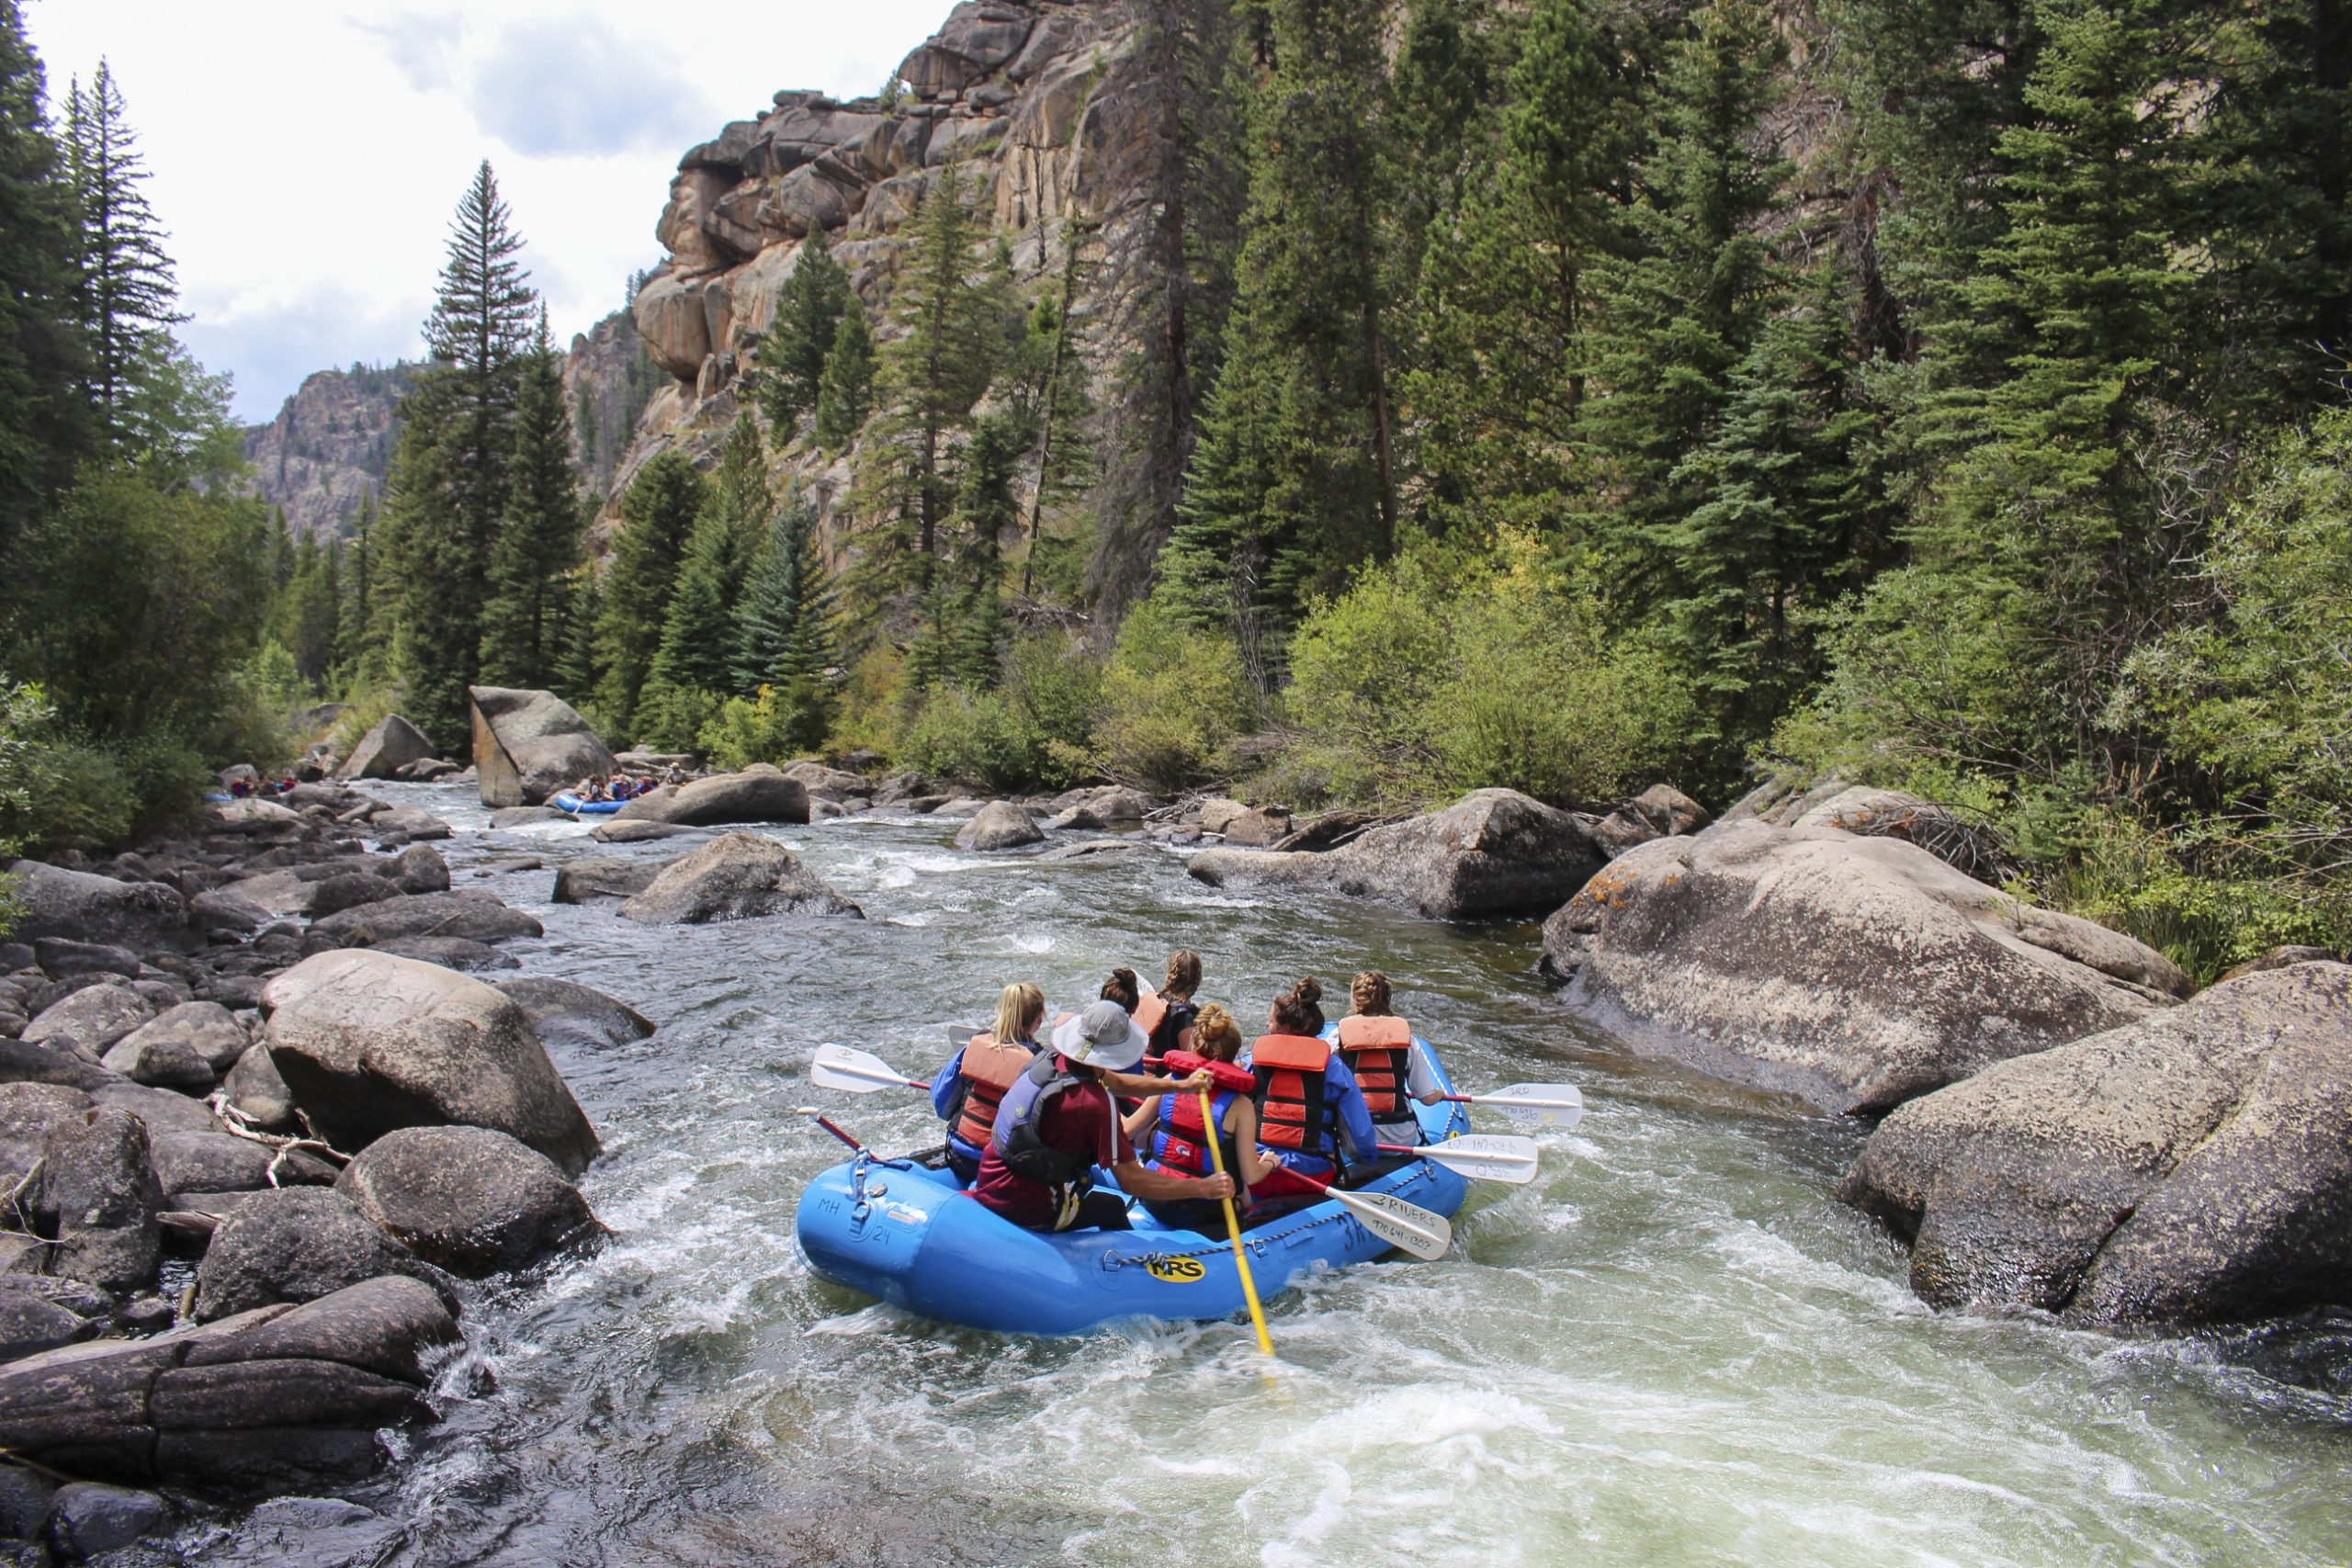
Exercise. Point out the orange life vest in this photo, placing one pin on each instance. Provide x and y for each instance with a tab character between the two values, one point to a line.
1379	1051
1149	1011
1290	1114
987	1070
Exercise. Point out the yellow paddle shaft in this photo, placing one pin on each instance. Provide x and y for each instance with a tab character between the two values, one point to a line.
1233	1225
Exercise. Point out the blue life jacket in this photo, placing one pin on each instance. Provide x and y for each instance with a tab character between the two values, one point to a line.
1179	1140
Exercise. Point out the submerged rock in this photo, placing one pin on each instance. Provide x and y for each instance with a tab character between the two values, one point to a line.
999	825
1856	973
1494	852
368	1044
2191	1166
527	745
562	1009
736	877
758	794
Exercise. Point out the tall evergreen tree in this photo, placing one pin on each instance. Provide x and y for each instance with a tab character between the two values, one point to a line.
451	475
845	394
808	312
538	546
783	626
689	677
579	666
129	298
740	503
658	514
44	427
1293	485
1676	317
308	610
360	641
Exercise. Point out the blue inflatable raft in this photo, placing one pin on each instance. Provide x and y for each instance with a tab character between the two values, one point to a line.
905	1234
567	801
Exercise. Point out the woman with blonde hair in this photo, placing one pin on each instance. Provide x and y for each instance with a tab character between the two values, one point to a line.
966	1091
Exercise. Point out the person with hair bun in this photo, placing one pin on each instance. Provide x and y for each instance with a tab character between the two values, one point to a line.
1171	1132
1311	1111
1389	1066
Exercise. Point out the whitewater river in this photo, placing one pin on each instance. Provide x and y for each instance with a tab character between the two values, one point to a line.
1673	1349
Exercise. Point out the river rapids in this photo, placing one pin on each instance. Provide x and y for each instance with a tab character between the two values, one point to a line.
1674	1348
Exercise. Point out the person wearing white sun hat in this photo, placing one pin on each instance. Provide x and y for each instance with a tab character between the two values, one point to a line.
1057	1124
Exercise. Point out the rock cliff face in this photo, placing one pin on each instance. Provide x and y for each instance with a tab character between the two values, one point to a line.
1028	98
325	454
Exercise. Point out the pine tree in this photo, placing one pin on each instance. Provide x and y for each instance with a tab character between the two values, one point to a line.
361	639
740	503
846	395
658	514
44	427
579	668
451	475
986	515
689	677
309	613
538	546
1293	474
1679	316
808	311
130	300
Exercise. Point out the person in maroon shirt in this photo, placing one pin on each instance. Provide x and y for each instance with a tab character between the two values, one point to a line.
1057	1123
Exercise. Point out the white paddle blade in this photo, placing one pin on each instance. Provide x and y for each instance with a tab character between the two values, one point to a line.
1405	1226
1546	1104
839	1067
1487	1156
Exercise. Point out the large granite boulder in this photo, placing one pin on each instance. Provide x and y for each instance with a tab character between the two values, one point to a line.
591	877
144	916
565	1010
368	1044
736	877
527	745
758	794
475	916
93	1017
297	1243
96	1196
2194	1166
384	750
999	825
1856	972
472	1200
1494	852
278	1397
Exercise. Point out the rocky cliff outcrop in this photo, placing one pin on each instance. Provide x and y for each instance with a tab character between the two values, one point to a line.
325	454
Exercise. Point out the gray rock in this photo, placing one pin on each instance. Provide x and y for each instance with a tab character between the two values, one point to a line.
477	917
348	890
1494	852
1262	826
161	1110
758	794
523	816
263	819
999	825
391	1326
164	1064
297	1243
420	869
559	1010
215	1162
449	951
2284	957
527	745
638	832
1660	811
1099	850
28	1110
585	880
23	1503
60	956
31	1323
368	1044
1218	813
142	916
2191	1166
255	1089
837	781
20	1063
97	1196
472	1200
206	1028
384	750
87	1519
900	788
407	822
15	956
1856	973
735	877
218	910
93	1017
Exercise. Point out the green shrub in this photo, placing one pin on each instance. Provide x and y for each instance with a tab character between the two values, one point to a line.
1174	700
983	737
783	721
669	718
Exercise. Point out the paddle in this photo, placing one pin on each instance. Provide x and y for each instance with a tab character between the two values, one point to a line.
819	1117
1407	1227
1214	1140
1546	1104
839	1067
1480	1157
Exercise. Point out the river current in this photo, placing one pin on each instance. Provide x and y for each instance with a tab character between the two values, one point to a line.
1674	1348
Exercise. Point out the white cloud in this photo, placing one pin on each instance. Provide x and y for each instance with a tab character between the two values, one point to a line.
306	154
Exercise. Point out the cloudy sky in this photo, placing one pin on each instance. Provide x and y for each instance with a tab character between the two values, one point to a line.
305	156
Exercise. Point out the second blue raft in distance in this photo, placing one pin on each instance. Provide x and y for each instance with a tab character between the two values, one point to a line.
567	801
907	1234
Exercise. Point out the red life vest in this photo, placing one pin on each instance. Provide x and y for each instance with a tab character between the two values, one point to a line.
1291	1114
1179	1139
987	1070
1379	1051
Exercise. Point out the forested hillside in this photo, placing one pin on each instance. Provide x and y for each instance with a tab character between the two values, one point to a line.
1360	403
